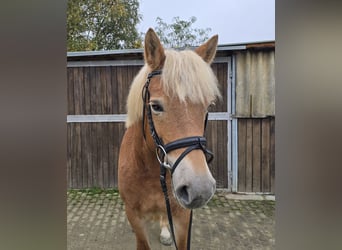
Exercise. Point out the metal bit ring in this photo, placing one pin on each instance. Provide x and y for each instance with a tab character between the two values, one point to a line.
162	161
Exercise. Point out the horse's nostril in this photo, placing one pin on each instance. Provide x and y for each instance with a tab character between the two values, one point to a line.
183	193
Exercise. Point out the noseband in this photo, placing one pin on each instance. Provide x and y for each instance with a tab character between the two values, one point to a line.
190	143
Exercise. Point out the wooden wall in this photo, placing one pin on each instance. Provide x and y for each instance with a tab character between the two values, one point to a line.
92	152
256	162
93	148
217	137
99	90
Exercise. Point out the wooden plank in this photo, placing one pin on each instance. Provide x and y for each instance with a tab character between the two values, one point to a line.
79	92
94	155
217	137
111	154
89	155
130	74
218	134
224	86
122	90
84	154
76	92
69	156
99	167
116	148
87	91
105	155
115	92
265	156
224	152
70	90
222	79
98	106
103	82
81	85
78	156
249	155
103	89
93	96
242	139
256	155
119	83
108	93
272	153
73	151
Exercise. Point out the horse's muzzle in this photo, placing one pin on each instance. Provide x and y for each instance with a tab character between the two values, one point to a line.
193	190
191	198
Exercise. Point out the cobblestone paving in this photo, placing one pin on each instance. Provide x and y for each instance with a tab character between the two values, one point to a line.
96	220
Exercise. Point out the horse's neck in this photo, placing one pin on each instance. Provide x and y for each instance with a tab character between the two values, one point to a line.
143	146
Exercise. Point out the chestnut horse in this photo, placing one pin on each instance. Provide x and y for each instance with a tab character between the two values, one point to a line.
175	100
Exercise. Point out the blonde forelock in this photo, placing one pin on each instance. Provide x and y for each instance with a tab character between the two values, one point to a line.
185	76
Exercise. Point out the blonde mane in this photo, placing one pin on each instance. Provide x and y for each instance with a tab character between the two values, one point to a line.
185	75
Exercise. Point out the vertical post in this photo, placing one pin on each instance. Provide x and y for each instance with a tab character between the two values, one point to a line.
234	128
229	124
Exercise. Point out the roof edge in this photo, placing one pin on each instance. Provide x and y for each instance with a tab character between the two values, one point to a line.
220	47
104	52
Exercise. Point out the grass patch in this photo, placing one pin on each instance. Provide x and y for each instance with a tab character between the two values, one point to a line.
94	191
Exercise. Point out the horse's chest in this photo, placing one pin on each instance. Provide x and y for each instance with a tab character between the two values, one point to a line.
149	198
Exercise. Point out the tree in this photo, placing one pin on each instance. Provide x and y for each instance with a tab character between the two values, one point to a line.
102	24
180	33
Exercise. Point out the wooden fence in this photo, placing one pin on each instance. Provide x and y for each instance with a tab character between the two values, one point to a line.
256	162
93	147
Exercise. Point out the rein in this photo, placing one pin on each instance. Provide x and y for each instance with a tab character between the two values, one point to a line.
190	143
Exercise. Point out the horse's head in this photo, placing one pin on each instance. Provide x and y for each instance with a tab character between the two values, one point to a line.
178	101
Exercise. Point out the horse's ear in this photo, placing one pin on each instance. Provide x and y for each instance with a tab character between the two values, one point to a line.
208	50
154	51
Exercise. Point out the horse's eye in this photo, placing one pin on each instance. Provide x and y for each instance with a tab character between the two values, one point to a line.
157	107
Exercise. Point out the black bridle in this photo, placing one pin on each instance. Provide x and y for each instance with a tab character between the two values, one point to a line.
190	143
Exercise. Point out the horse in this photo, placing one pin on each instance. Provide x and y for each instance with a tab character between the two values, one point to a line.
167	104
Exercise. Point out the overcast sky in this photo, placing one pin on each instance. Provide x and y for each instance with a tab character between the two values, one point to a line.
235	21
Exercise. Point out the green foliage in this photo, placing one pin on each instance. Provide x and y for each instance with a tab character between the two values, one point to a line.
180	33
102	24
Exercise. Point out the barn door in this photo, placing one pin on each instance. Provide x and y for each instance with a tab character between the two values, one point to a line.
219	132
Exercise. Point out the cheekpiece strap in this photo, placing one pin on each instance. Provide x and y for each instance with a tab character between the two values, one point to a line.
146	98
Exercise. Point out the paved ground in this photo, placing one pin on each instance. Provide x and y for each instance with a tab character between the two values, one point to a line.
96	220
